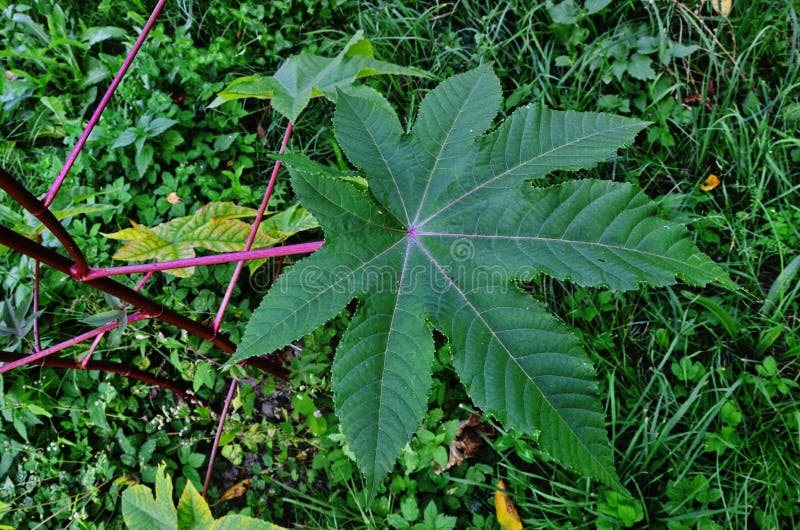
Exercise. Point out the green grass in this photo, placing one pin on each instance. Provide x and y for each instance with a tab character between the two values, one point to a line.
700	386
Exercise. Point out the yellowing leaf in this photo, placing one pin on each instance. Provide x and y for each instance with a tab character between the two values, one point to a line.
711	182
215	227
235	491
722	7
193	510
141	511
506	512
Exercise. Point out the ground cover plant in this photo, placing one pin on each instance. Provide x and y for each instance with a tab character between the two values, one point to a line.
698	387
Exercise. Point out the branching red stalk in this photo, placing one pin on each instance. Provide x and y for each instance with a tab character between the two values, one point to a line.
143	281
79	269
215	446
103	366
41	354
126	294
288	250
51	193
150	308
39	210
253	230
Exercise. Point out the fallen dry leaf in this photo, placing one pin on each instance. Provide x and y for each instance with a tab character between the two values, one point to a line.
467	442
507	514
711	182
722	7
235	491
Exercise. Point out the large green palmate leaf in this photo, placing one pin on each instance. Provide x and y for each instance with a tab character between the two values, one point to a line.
448	228
305	76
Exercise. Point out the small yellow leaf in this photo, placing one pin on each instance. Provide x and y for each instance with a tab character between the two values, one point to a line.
235	491
506	512
711	182
722	7
125	480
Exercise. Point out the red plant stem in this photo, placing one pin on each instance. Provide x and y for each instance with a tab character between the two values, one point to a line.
143	281
103	366
253	231
62	175
38	356
38	209
150	308
112	287
222	416
288	250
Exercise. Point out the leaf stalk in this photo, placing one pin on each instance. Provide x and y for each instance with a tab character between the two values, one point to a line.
253	230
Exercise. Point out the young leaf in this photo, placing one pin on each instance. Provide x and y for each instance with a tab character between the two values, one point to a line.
142	512
445	232
307	75
158	126
193	510
126	138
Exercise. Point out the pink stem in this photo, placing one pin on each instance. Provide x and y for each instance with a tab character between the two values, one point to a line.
66	344
51	193
93	347
288	250
222	416
143	281
253	231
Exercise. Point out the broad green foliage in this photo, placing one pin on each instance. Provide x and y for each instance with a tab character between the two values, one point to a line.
143	512
449	230
306	75
145	128
215	226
